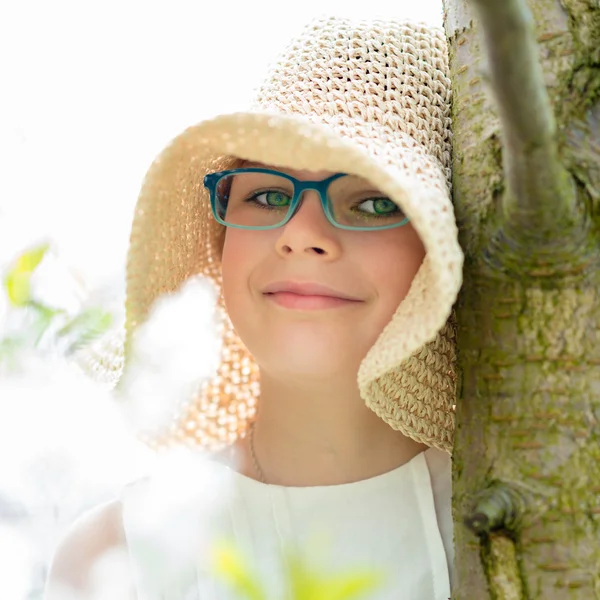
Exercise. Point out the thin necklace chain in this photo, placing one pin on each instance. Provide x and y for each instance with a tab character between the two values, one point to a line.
255	462
262	478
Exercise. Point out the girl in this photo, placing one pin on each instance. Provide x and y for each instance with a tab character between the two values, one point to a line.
323	216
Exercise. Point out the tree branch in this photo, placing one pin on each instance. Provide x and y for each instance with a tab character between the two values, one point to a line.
540	206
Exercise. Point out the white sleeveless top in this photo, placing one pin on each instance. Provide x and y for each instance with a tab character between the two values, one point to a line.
398	524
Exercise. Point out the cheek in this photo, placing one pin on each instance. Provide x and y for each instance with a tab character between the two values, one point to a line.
233	263
398	260
242	252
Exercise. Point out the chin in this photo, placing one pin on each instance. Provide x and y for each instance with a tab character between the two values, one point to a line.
308	346
311	360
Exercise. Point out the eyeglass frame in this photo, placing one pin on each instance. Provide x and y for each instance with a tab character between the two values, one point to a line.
211	181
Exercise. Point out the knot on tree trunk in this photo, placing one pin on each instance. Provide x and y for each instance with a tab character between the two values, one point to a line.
500	506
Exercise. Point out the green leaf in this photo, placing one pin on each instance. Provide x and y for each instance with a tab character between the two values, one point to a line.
18	288
303	582
43	320
85	327
307	585
17	281
9	351
230	566
46	311
29	261
348	586
29	334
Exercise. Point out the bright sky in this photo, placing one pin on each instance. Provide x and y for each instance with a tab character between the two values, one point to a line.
93	90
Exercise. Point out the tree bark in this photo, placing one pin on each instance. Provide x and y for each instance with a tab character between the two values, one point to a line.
526	119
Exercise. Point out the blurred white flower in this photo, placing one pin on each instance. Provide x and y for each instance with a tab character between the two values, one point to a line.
15	556
56	284
64	447
169	513
173	352
63	434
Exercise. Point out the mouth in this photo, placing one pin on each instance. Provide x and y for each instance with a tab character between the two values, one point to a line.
307	296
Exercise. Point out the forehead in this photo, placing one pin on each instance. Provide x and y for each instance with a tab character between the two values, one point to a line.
297	173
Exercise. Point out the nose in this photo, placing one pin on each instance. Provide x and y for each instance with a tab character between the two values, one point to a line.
308	232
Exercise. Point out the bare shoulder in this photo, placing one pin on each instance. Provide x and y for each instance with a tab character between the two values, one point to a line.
96	540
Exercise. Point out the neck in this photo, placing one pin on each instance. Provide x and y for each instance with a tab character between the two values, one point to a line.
322	433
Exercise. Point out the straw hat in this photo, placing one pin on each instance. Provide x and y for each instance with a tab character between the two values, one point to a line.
368	98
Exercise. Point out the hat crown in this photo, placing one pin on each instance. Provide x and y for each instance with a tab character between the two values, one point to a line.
367	77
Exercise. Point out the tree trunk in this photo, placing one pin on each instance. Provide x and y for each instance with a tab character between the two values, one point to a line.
527	196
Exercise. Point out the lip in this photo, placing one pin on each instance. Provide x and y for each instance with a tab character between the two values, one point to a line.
307	296
307	289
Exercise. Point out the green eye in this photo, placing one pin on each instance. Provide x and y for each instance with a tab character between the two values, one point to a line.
276	198
270	199
384	206
379	206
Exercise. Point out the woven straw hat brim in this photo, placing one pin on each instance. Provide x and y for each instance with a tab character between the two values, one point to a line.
370	98
164	246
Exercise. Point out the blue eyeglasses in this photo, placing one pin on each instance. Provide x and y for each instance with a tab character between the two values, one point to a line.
260	199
